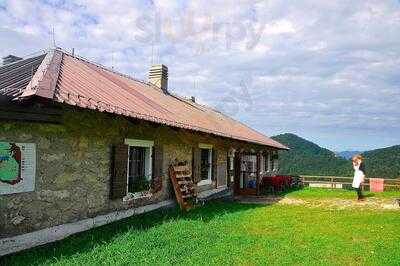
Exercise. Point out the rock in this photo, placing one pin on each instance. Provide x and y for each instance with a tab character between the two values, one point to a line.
291	201
25	137
65	179
53	157
390	206
17	219
50	195
44	143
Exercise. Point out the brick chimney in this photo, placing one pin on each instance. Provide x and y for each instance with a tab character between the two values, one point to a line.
158	75
10	59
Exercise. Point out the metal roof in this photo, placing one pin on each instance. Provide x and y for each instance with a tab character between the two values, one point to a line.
15	77
75	81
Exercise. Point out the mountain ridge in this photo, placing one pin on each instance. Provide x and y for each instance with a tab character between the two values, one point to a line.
347	154
307	158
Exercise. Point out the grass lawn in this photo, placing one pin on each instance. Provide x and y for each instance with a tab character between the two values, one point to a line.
232	233
324	193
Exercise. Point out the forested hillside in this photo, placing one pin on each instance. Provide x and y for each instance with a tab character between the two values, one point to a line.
307	158
383	162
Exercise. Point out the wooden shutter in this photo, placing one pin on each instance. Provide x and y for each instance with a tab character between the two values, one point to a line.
258	167
237	171
157	170
196	164
119	174
222	174
214	164
158	161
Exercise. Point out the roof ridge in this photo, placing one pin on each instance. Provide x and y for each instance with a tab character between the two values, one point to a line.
44	80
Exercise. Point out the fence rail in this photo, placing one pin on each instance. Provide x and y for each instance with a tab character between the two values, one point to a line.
345	181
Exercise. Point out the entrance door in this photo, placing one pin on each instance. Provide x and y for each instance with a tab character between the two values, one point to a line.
246	174
205	166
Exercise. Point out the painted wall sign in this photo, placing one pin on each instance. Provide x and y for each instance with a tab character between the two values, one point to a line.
17	167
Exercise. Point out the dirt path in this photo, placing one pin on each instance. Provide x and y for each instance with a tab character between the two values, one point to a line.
332	203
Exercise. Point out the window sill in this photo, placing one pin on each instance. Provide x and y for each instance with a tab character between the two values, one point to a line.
204	182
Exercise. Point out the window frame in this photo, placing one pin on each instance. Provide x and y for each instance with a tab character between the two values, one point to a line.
207	181
276	162
271	162
148	164
267	162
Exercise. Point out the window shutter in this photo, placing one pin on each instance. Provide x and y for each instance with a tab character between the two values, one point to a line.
158	161
119	171
214	164
258	166
196	164
157	170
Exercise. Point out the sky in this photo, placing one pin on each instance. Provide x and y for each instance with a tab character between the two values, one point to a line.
328	71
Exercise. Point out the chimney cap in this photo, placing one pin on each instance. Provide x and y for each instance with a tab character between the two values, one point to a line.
158	76
158	65
155	69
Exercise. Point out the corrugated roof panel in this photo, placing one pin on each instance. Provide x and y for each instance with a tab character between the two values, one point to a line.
15	77
90	86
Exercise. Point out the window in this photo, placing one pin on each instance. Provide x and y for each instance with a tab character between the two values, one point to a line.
231	163
139	164
206	164
267	162
248	171
271	162
276	159
262	164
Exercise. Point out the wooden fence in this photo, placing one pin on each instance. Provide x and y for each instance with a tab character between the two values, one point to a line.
345	182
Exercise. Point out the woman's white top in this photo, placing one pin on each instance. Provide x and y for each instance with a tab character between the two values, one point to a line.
358	176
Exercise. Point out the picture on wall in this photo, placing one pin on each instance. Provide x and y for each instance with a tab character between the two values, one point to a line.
17	167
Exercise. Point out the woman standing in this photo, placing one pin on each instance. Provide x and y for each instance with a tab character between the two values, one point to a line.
359	175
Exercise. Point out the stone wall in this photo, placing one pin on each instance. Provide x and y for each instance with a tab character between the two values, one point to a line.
72	178
73	166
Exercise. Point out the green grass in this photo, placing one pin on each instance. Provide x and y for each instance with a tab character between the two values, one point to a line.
221	233
324	193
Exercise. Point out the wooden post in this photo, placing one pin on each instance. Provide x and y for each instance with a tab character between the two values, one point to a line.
258	167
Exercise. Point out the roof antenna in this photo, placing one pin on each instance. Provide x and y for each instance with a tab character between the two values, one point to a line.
152	52
53	37
112	59
158	57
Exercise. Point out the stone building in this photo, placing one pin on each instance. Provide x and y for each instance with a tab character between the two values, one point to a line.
76	138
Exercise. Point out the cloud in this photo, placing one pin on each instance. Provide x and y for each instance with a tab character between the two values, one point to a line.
327	70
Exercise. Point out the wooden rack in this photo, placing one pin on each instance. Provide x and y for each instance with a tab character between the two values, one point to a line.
184	188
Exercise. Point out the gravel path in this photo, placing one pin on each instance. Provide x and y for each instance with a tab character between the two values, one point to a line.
331	203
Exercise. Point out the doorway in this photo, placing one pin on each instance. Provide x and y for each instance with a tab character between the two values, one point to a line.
246	176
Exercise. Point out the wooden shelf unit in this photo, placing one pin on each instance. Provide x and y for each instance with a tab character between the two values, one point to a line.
181	178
